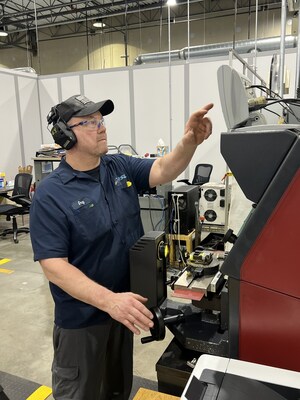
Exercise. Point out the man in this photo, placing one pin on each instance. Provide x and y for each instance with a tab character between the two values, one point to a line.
84	218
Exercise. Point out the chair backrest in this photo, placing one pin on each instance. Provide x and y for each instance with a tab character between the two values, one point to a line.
22	184
112	149
202	174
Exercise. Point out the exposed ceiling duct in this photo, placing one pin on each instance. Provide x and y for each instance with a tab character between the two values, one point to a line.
218	49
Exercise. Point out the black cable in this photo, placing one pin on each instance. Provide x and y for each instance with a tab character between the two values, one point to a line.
273	112
162	219
287	102
290	111
291	101
280	100
150	213
264	89
170	222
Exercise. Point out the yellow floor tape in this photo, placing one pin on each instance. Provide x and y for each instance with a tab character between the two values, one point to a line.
4	260
4	270
40	394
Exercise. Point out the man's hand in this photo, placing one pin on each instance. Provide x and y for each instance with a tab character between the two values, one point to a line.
167	168
128	308
198	127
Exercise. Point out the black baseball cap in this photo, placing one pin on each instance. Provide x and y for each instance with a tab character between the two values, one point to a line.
80	106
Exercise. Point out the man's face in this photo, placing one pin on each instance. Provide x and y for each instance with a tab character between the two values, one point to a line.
90	133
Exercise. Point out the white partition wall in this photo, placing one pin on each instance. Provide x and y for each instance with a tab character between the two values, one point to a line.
70	85
203	90
30	123
49	96
10	149
151	107
152	102
115	85
179	108
20	121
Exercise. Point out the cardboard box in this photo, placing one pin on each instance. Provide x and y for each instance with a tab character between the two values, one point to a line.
146	394
27	170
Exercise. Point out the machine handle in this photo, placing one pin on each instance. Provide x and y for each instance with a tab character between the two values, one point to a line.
173	318
158	331
147	339
230	237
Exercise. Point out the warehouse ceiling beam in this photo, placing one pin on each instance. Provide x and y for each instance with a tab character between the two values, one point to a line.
57	19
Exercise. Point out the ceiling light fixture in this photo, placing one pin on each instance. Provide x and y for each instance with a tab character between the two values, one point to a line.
99	24
171	3
2	31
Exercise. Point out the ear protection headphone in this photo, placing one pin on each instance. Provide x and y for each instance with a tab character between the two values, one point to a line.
61	133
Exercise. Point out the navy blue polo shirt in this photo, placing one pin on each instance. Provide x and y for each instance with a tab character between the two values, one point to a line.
91	223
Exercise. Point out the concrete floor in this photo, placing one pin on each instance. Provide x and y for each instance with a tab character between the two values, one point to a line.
27	318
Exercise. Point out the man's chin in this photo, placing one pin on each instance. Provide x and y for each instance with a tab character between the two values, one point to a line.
104	151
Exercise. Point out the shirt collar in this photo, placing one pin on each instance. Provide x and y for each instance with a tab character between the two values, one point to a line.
67	173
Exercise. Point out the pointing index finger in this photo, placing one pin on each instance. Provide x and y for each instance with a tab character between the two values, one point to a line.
208	106
204	110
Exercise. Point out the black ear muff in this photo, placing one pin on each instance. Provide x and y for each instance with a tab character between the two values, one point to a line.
63	135
53	116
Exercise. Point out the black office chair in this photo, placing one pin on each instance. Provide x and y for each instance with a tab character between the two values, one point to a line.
201	175
112	149
20	196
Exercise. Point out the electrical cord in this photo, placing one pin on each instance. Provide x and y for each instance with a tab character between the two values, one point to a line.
264	89
176	216
295	102
170	221
273	112
176	225
178	229
280	100
150	213
287	103
162	219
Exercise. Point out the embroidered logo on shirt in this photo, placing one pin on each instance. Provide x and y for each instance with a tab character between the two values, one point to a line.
77	204
122	182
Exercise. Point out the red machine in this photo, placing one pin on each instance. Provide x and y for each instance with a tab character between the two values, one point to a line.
263	266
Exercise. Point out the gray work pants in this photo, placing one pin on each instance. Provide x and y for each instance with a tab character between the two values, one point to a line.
93	363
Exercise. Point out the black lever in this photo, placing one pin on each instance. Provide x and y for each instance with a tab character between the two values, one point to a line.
158	331
229	237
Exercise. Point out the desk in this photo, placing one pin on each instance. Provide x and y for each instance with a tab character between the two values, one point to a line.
43	166
4	192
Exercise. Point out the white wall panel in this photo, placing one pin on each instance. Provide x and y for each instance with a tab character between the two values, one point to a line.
10	149
178	100
48	90
70	85
112	85
30	117
204	90
151	107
